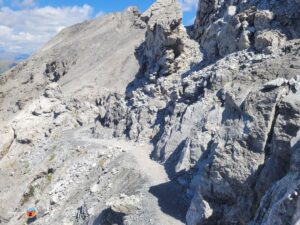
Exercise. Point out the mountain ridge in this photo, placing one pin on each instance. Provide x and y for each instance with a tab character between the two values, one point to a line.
216	106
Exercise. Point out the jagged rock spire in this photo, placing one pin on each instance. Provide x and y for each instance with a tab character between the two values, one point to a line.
167	46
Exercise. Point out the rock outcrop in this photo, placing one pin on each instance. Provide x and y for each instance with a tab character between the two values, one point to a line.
219	102
167	48
223	27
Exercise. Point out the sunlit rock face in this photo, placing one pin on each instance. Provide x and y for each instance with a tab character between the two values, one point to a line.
223	27
132	118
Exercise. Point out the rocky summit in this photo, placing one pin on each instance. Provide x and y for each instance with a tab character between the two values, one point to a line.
134	119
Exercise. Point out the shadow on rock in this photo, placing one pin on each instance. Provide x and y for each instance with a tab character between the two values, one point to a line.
140	80
109	217
171	199
172	161
30	220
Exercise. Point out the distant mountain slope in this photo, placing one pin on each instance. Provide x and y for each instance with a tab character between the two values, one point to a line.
81	62
13	56
5	65
9	60
97	53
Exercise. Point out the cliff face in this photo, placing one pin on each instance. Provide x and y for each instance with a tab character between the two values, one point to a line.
223	27
220	105
247	175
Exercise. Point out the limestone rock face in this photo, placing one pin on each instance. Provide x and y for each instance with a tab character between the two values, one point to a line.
167	48
7	138
222	27
132	118
52	91
282	159
269	39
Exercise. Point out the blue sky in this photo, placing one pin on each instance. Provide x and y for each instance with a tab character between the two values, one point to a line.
25	25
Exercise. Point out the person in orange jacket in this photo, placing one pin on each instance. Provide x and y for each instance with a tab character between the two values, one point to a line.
31	214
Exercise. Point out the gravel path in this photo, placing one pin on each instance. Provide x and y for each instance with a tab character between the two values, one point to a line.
163	196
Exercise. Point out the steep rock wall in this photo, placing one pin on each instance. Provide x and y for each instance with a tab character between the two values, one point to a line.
222	110
223	27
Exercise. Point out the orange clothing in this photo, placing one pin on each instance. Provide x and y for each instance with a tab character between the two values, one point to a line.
31	214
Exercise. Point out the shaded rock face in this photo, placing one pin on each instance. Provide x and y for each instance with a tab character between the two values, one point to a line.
222	112
167	48
223	27
283	194
244	158
222	123
166	53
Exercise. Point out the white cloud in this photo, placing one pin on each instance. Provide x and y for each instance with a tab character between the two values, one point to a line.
28	29
4	30
189	5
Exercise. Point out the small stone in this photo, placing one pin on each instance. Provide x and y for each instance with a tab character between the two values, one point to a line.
266	39
53	91
124	204
231	11
95	188
91	211
263	19
53	200
275	83
244	41
114	171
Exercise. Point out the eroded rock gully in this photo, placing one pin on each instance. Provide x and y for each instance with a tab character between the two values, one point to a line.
216	107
